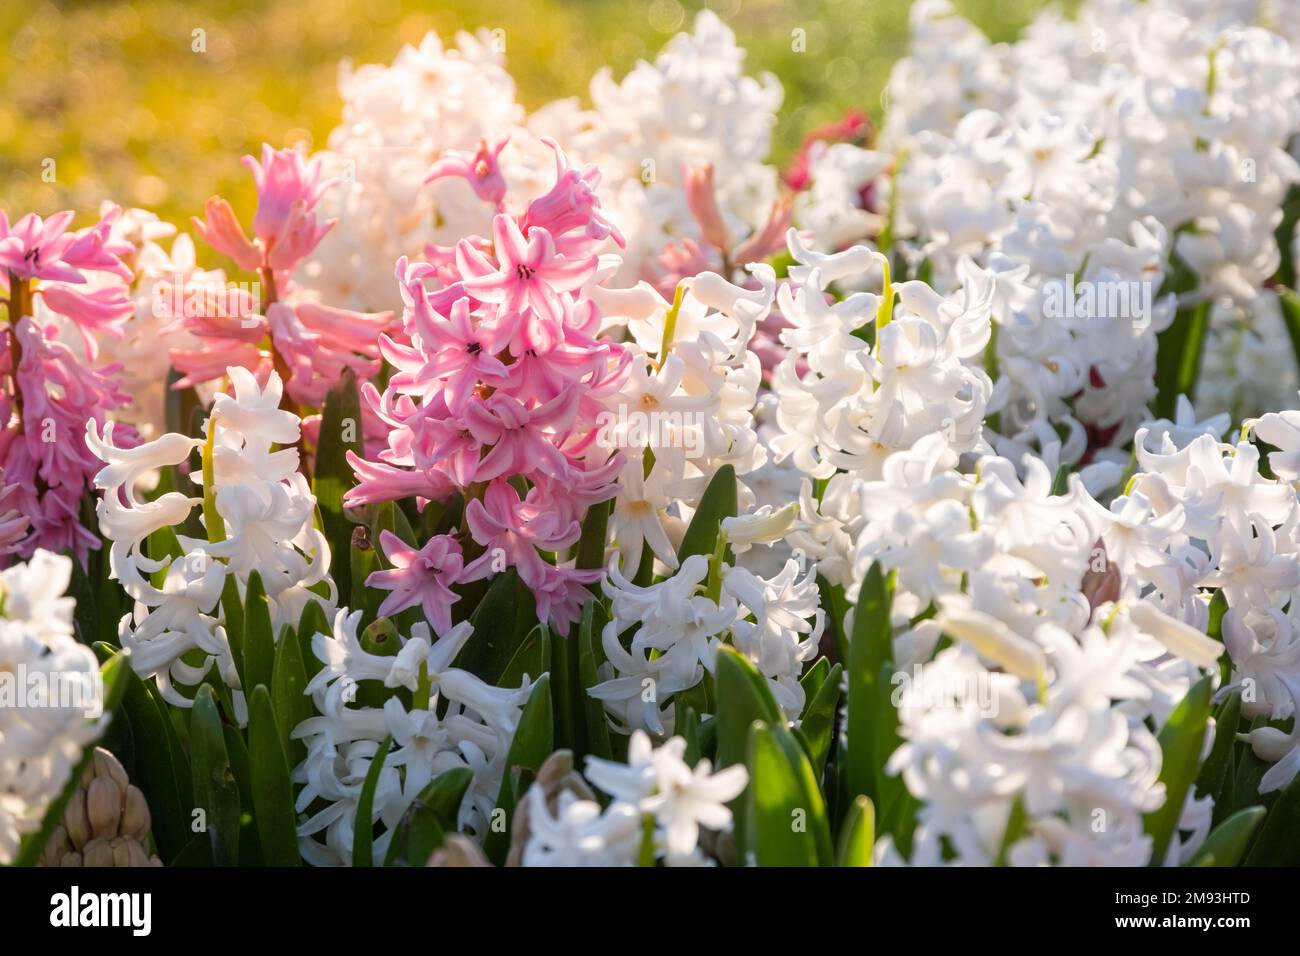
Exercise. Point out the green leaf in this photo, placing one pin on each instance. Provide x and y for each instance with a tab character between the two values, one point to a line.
1180	744
1061	482
1284	234
1243	790
288	683
259	639
569	695
786	816
389	517
896	807
215	788
363	836
250	847
645	856
113	670
837	607
1218	608
719	502
857	834
176	723
590	657
85	614
1276	844
870	647
1215	769
534	740
1178	357
417	834
196	853
364	561
311	623
812	681
1227	843
1290	304
533	658
591	546
272	789
233	616
501	622
156	772
1015	829
743	697
687	725
446	793
340	433
818	720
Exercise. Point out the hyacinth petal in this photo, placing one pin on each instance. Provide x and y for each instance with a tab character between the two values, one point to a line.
991	638
1181	639
222	231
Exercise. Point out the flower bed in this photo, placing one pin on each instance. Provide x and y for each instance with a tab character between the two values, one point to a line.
576	487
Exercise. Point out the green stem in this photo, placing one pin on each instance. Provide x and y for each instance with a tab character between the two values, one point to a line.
670	322
423	688
211	516
886	310
713	589
646	856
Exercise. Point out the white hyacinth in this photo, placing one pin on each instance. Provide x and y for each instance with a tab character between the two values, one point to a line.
51	695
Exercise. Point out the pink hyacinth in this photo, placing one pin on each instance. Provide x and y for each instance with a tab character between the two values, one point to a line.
458	352
570	212
285	225
51	386
499	379
482	170
310	343
702	201
529	273
421	576
13	523
288	188
55	266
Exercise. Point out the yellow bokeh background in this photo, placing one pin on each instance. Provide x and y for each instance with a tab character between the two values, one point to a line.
112	99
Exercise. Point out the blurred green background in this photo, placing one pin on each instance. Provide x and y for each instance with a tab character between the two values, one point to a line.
113	94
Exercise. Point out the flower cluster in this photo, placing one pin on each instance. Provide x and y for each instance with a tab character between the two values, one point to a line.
257	512
776	622
1147	165
274	325
65	291
51	695
495	395
916	505
655	785
439	718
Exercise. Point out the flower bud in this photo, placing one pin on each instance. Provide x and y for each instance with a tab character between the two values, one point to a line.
104	807
104	764
135	818
76	821
97	852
